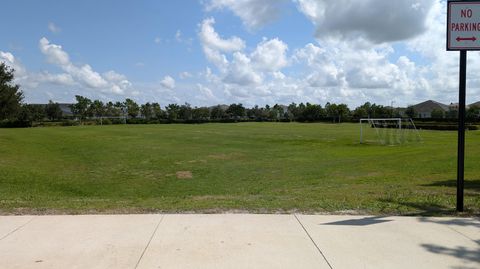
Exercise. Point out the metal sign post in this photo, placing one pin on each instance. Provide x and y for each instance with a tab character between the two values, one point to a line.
461	130
463	34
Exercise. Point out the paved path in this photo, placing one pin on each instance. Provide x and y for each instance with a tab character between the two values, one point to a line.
238	241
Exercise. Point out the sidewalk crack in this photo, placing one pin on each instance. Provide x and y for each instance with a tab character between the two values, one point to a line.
18	228
149	241
464	235
311	239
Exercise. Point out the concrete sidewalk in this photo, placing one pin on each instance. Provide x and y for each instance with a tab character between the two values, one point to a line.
238	241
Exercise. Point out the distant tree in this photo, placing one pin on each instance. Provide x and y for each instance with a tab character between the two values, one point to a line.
236	111
172	111
451	113
252	112
37	112
32	113
201	113
362	111
343	112
80	109
185	112
296	111
256	113
313	112
53	111
158	112
472	114
276	113
10	94
410	112
111	110
217	112
437	114
330	109
132	108
379	111
337	112
97	109
121	109
146	110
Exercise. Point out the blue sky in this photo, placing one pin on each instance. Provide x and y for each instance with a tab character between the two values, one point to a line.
228	51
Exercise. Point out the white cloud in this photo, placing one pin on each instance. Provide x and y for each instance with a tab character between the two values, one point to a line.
54	28
206	96
215	57
110	82
241	71
62	79
340	69
212	39
168	82
254	13
117	81
270	55
241	74
178	36
278	75
157	40
54	53
7	57
376	20
12	62
185	75
86	75
31	80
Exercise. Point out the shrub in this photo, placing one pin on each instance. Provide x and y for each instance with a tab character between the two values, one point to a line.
15	124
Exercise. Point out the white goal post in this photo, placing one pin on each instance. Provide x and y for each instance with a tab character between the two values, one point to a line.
390	130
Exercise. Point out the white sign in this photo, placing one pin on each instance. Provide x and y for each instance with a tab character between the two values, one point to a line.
463	25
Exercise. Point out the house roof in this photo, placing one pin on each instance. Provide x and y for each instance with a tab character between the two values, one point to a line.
429	106
477	104
66	109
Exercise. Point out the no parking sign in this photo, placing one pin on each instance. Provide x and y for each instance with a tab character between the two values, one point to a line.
463	25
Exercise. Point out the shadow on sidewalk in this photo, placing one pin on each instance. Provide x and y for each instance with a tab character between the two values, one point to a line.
359	222
467	255
457	222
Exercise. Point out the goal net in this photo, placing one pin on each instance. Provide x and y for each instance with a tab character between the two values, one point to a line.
388	131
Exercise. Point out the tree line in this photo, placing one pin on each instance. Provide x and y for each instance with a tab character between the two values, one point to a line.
14	112
86	109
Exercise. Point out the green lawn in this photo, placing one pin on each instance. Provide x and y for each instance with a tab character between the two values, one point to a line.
254	167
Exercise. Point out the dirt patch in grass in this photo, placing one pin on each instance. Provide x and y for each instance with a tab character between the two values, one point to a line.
184	174
211	197
223	156
192	161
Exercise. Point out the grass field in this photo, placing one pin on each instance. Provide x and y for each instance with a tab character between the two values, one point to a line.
254	167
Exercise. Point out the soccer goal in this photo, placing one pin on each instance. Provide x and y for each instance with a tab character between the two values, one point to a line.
388	131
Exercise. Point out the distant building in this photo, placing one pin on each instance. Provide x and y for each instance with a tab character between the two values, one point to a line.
424	110
453	106
66	109
476	104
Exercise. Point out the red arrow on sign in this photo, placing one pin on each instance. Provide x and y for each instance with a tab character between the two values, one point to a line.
466	39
